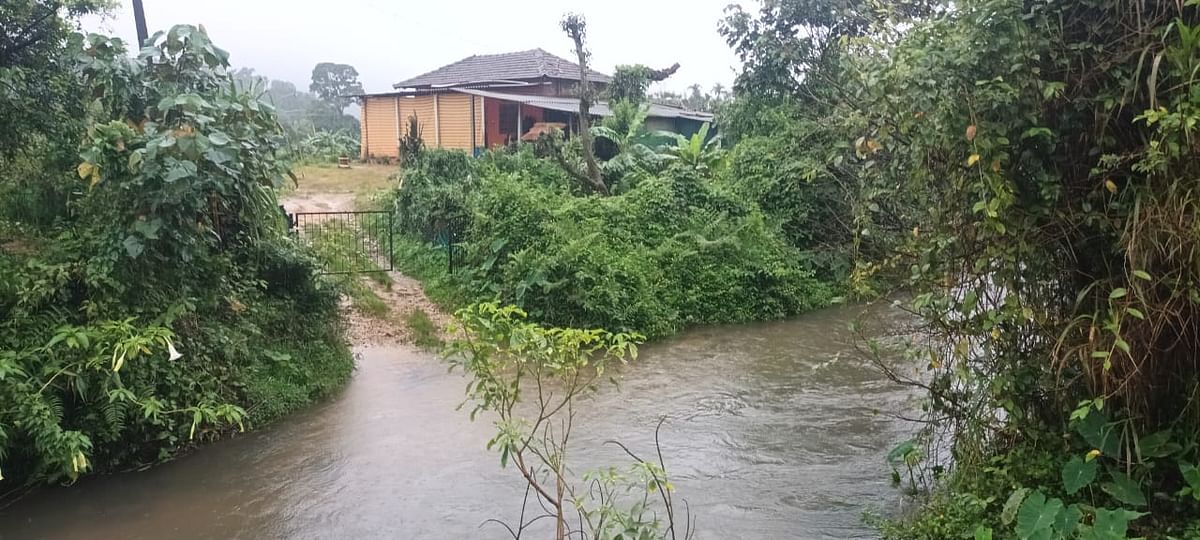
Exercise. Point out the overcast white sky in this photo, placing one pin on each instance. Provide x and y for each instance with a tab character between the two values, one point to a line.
388	41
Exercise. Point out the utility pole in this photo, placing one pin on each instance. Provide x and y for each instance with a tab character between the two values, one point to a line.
139	18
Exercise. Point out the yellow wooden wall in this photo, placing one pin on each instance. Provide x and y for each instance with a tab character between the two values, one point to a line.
378	127
422	106
452	128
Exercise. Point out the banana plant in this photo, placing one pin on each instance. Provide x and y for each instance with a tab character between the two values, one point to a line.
698	151
626	131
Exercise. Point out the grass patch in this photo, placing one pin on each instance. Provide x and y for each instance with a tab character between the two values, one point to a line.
364	299
300	359
430	265
362	179
424	330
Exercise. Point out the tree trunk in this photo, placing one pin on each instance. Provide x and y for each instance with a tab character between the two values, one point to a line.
575	27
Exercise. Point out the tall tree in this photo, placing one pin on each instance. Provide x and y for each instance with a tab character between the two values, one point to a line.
335	83
630	82
791	43
36	81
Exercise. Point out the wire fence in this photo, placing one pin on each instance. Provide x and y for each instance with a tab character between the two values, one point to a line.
347	242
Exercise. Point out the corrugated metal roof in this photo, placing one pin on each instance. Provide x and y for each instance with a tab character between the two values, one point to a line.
599	108
521	65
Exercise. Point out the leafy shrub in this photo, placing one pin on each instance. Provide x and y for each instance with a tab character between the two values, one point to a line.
673	251
1046	158
434	184
165	305
325	147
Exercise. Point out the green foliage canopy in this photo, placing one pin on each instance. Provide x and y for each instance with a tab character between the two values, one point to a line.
1044	161
335	84
128	321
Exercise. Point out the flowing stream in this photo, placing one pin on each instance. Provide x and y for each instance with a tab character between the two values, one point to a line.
773	430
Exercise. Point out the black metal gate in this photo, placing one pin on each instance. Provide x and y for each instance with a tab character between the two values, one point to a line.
347	242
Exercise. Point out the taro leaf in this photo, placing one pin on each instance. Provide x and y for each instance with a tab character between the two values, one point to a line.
133	246
220	155
218	138
148	229
1125	489
1037	516
1068	520
179	170
1191	474
1012	505
1157	445
165	104
1095	429
1077	474
1111	524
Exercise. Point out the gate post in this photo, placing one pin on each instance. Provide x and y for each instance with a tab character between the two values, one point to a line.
450	246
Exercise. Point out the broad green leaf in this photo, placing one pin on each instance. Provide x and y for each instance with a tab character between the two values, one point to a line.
133	246
218	138
1118	292
1125	489
180	170
1037	132
1095	429
1157	445
1191	475
1111	524
901	450
1077	474
1009	513
1037	515
1068	520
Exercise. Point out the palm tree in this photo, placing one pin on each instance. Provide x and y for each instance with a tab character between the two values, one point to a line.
696	99
718	92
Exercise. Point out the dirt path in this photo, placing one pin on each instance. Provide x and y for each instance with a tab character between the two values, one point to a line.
403	297
319	202
327	189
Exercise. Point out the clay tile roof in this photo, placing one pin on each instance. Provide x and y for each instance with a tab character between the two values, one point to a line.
531	64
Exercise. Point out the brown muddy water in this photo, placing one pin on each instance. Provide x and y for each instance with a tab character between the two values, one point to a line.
773	430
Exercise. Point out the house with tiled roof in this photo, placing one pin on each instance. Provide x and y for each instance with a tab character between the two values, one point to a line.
484	101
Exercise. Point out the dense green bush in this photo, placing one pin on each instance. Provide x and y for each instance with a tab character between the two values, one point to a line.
1045	157
433	195
675	250
323	146
157	301
811	206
